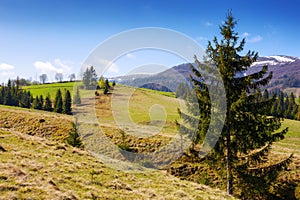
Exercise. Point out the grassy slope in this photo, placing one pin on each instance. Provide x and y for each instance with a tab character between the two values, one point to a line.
37	165
51	88
140	114
291	143
139	108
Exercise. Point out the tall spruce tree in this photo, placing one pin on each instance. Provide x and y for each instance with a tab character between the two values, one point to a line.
90	78
67	103
58	102
248	131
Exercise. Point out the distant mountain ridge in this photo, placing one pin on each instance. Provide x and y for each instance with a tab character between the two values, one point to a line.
167	80
286	70
286	74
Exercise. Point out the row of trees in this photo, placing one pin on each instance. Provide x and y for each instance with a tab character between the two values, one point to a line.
90	81
58	77
62	102
284	106
12	95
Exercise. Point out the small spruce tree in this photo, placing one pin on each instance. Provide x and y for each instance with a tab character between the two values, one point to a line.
77	99
58	102
74	139
48	104
67	103
35	103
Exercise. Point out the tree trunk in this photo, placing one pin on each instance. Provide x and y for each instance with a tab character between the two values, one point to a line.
228	163
229	178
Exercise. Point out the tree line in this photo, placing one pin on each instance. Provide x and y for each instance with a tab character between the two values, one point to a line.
12	95
90	79
58	77
284	106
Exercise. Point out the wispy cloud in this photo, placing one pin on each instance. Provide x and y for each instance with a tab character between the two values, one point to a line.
112	67
208	24
53	67
251	39
255	39
246	34
5	66
6	72
102	65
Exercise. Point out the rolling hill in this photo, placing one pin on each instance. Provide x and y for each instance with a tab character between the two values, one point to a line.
35	163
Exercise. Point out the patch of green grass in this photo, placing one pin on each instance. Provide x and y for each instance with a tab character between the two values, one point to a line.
139	106
294	128
51	88
168	94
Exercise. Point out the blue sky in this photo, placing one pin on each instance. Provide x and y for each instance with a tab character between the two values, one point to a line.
39	36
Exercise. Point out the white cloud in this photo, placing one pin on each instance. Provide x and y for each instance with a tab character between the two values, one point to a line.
46	67
208	24
5	75
62	65
5	66
246	34
6	72
255	39
103	64
112	67
51	68
130	56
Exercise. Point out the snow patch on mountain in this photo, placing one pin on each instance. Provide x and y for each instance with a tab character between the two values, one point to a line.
281	58
267	62
274	60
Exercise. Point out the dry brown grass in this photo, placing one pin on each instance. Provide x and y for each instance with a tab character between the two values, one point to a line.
36	164
32	122
36	168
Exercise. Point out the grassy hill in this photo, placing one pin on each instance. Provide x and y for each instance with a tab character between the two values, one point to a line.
55	128
35	163
51	88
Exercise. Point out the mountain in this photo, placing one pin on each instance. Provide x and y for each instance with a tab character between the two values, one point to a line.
286	75
167	80
286	71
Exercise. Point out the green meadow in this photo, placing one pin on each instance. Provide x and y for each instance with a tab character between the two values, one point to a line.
51	88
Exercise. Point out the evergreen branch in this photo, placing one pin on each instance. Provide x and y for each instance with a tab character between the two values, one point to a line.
257	155
279	136
259	171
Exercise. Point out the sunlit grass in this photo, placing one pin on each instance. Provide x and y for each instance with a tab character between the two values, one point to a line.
51	88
